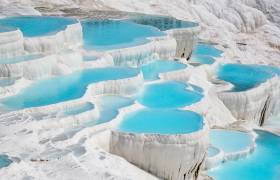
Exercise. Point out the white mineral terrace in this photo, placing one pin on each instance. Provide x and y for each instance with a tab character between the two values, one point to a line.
62	104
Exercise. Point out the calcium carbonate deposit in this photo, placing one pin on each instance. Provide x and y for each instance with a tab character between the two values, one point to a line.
139	89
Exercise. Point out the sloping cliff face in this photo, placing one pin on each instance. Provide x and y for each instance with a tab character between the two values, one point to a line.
257	104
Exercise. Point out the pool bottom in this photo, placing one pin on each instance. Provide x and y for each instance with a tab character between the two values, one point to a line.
161	121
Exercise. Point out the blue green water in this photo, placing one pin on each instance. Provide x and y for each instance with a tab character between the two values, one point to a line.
244	76
230	141
6	29
111	34
203	59
168	94
32	26
151	70
212	151
21	58
262	164
109	105
65	87
161	121
202	49
163	23
4	161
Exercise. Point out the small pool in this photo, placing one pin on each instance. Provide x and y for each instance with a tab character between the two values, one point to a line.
245	76
32	26
65	87
161	121
163	23
168	94
21	58
203	49
202	59
230	141
4	161
151	70
263	163
109	105
112	34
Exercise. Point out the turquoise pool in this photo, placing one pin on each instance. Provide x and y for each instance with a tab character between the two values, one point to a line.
244	76
65	87
202	59
112	34
161	121
109	105
32	26
263	163
21	58
230	141
151	70
163	23
168	94
4	161
203	49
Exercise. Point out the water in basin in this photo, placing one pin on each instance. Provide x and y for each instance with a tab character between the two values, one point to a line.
168	94
244	76
32	26
162	22
230	141
21	58
65	87
202	59
151	70
212	151
4	161
109	105
263	163
6	29
112	34
202	49
161	121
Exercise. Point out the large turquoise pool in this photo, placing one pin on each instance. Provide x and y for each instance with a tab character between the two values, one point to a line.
4	161
245	76
151	70
168	94
262	164
162	22
65	87
161	121
112	34
32	26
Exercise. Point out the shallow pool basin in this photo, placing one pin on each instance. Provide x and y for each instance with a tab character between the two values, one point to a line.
152	70
168	94
161	121
245	76
65	87
32	26
263	163
203	49
4	161
230	141
163	23
114	34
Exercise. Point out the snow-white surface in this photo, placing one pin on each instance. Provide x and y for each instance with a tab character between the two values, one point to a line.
59	148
